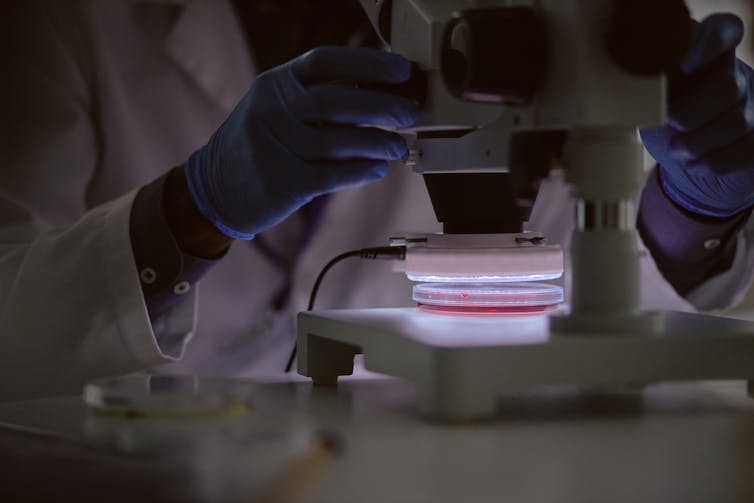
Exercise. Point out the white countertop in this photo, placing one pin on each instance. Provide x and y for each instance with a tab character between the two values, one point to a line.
673	442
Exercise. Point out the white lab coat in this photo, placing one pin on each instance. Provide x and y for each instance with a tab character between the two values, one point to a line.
117	93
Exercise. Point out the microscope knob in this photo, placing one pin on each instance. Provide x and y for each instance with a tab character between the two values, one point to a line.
646	37
495	55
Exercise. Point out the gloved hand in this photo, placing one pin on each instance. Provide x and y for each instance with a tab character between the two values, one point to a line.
706	150
298	133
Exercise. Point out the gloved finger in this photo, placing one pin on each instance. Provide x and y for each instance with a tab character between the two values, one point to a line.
337	175
333	142
735	157
350	64
708	94
657	139
715	36
732	125
341	104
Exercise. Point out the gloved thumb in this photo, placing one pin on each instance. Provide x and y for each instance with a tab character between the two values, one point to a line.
716	35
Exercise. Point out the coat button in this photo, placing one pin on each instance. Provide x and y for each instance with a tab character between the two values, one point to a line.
711	244
181	287
148	275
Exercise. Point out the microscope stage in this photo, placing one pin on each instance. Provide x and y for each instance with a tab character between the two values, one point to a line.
460	364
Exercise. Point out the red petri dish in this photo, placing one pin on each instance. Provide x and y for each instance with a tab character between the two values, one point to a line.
483	299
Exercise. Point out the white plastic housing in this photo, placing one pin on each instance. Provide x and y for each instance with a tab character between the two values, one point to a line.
478	258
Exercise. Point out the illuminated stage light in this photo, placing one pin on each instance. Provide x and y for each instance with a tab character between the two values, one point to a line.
473	278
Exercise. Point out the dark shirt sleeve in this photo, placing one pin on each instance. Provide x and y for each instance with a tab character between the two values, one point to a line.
165	271
688	248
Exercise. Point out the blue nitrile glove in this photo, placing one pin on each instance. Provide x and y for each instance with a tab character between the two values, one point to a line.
706	150
298	133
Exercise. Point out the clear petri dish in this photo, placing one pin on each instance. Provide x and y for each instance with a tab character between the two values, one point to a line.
488	299
167	394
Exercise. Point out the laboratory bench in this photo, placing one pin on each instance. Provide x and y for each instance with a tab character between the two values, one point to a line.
365	441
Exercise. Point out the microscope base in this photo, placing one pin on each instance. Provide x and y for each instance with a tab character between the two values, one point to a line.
461	364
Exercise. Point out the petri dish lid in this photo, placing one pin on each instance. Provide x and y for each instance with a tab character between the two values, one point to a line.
167	394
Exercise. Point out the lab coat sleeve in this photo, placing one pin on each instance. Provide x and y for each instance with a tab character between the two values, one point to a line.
71	303
727	289
71	306
719	293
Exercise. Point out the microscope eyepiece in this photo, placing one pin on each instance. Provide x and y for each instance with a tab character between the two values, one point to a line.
495	55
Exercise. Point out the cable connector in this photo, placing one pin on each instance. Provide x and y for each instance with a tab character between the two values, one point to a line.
383	253
377	253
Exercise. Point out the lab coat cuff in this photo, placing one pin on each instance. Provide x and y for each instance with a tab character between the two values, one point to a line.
166	272
688	249
122	279
725	291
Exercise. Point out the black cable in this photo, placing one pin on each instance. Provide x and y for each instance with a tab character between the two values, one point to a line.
379	253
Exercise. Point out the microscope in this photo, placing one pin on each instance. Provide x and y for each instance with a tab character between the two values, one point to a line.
511	89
